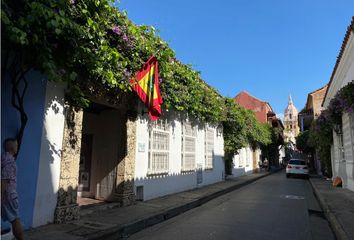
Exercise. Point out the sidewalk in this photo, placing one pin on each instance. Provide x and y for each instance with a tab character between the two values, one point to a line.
110	222
338	206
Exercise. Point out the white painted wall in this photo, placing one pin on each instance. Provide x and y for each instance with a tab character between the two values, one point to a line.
175	180
50	155
240	166
348	136
344	73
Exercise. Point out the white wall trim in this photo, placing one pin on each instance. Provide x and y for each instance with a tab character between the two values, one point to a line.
50	155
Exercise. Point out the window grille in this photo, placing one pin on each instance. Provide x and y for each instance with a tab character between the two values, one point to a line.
159	147
341	147
188	146
247	157
240	162
352	127
209	148
241	158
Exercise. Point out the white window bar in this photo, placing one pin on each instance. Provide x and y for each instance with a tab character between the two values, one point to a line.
247	157
159	148
240	162
209	148
352	127
341	147
188	146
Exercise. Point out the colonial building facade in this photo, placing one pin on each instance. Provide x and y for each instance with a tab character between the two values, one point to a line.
313	108
109	151
342	150
291	122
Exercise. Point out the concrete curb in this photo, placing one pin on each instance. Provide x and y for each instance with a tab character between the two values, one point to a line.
134	227
333	221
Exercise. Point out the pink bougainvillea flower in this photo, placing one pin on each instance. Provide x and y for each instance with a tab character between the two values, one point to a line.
116	30
125	38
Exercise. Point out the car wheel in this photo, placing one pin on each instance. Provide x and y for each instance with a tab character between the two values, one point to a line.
287	175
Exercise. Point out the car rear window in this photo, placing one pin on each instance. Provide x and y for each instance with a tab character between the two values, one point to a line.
297	162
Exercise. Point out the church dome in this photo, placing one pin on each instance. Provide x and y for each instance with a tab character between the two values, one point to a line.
290	111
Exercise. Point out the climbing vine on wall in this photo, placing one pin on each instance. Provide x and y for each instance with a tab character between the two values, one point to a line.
321	132
92	43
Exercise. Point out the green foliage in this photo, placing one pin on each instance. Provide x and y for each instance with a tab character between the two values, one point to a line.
302	142
321	138
271	150
241	128
91	44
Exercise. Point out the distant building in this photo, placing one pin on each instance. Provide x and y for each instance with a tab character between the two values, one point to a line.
264	114
261	108
311	111
313	108
290	122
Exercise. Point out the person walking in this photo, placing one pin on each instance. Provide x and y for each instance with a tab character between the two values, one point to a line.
9	201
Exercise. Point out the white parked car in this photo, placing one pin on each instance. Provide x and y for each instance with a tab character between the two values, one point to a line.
297	167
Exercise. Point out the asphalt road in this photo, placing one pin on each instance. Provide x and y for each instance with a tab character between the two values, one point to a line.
271	208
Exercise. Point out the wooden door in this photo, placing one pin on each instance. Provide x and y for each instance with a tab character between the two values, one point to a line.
85	162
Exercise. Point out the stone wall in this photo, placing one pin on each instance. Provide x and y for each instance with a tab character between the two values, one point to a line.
67	208
124	193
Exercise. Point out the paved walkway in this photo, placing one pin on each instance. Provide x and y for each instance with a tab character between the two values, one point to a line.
338	206
108	220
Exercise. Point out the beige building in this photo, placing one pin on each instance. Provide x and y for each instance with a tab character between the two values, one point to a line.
311	112
313	108
291	127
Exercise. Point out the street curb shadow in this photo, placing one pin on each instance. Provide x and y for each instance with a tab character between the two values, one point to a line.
121	232
334	223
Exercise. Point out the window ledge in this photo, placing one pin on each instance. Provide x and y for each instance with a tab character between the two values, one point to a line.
156	174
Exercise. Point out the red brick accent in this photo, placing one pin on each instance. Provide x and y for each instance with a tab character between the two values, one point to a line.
260	108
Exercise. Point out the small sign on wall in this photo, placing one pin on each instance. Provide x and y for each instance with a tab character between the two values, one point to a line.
141	147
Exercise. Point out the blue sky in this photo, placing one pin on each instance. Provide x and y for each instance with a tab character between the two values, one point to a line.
270	48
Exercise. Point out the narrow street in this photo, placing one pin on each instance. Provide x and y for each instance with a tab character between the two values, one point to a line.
271	208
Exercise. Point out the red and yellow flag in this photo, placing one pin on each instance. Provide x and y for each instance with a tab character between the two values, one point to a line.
146	85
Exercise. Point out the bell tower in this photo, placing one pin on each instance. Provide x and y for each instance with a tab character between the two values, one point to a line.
291	126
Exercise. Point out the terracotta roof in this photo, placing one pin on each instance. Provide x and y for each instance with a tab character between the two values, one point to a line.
318	89
308	95
350	30
245	92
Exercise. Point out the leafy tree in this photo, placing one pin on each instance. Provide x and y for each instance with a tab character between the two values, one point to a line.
66	41
321	139
302	142
92	47
241	129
